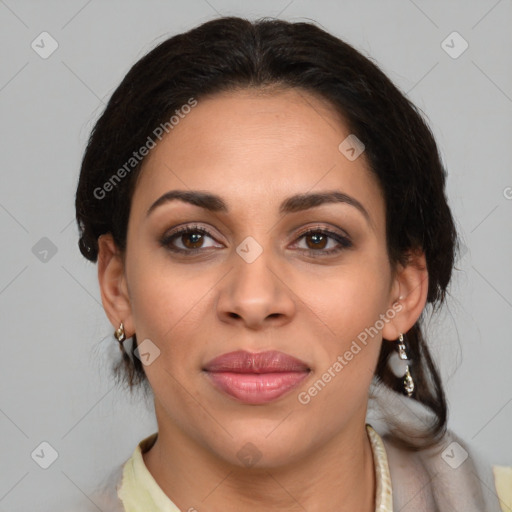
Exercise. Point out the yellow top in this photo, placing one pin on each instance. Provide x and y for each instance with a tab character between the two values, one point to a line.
139	490
503	479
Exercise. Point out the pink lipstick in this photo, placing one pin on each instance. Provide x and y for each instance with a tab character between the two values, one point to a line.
256	378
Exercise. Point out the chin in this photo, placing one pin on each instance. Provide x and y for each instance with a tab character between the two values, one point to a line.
261	448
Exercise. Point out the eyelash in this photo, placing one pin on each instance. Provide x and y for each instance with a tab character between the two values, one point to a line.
344	242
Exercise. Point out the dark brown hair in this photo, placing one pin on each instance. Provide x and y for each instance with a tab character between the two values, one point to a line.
232	53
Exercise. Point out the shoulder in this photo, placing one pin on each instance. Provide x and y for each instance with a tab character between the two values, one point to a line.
450	473
105	495
108	495
503	480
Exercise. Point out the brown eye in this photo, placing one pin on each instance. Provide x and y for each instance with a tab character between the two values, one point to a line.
322	242
188	239
318	240
192	240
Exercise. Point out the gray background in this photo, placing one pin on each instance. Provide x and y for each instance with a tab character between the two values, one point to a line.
57	342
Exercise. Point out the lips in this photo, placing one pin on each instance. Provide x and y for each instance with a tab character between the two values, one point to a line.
256	378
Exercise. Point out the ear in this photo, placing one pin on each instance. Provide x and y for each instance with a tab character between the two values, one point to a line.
112	281
408	295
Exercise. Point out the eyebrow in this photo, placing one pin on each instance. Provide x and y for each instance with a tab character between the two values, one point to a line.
295	203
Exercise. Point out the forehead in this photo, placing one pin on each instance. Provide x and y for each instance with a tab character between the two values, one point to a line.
255	148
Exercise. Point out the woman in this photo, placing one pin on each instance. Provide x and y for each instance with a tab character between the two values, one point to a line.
270	223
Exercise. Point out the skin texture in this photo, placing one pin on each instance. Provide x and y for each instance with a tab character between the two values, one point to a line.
254	150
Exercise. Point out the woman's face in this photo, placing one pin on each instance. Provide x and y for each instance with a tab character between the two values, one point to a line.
254	281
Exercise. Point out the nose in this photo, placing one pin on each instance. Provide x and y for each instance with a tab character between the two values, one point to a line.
256	293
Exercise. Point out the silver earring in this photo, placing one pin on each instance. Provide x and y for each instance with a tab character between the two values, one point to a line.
402	354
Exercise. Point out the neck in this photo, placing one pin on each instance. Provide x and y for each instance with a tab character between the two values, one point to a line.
337	476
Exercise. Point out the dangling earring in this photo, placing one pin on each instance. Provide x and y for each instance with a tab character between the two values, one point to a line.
402	354
120	335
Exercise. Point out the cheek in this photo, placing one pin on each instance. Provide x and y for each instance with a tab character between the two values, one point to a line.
347	354
347	308
349	298
167	305
168	309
